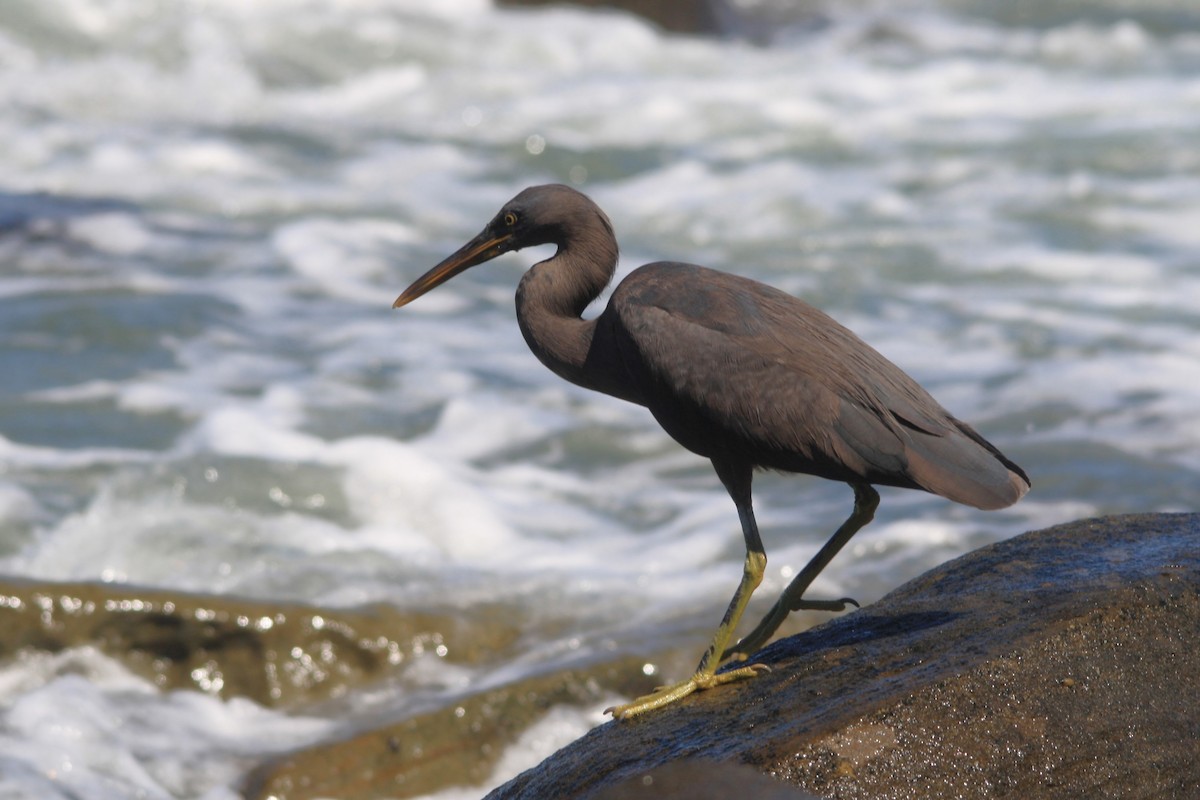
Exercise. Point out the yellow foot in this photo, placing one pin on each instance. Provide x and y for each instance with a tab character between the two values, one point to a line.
665	695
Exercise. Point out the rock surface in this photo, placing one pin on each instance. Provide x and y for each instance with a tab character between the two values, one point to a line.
679	16
277	654
301	657
703	780
456	746
1062	663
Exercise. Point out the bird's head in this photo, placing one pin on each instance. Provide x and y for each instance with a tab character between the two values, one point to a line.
538	215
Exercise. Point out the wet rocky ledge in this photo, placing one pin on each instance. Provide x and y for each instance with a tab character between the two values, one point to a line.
282	655
1060	663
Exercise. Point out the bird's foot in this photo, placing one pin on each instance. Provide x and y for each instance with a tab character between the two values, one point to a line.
665	695
757	638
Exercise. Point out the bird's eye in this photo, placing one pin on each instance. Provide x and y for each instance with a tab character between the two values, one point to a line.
510	219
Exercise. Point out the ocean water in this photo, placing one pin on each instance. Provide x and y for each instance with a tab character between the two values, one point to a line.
206	209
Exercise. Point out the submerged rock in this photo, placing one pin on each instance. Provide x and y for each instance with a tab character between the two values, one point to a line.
296	656
1062	663
455	746
277	654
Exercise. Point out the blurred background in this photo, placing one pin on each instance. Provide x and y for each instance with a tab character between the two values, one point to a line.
208	206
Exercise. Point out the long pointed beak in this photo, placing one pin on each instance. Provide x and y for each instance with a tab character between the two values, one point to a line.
483	247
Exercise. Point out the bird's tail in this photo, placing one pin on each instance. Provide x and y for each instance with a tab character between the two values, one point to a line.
976	474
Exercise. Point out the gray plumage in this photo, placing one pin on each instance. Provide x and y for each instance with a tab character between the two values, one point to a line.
736	371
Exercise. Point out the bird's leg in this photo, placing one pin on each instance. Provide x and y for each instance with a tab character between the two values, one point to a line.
706	675
866	500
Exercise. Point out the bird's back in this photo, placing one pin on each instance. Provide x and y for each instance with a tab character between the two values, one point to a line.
737	370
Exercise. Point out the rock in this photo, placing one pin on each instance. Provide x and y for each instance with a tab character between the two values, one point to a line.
296	656
702	780
678	16
755	21
1063	663
453	746
277	654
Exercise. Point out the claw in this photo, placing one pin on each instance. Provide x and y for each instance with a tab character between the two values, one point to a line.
665	695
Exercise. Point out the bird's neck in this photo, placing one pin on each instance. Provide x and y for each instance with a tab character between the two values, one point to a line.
551	299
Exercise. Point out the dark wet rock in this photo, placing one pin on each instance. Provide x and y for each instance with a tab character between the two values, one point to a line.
703	780
679	16
277	654
757	22
1063	663
298	656
455	746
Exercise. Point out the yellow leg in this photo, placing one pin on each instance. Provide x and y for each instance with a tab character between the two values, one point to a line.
706	675
866	500
737	482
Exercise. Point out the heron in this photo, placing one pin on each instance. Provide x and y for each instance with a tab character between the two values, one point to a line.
741	373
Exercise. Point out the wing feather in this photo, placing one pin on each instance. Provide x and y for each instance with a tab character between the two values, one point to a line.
733	368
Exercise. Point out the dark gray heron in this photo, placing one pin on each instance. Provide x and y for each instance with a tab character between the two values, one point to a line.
740	373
